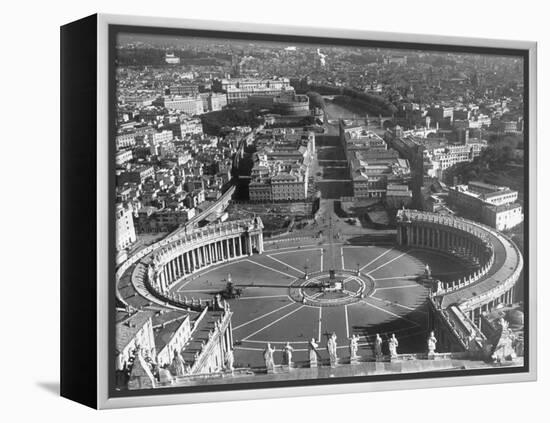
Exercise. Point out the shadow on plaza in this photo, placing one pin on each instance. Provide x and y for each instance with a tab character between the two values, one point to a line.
412	339
386	238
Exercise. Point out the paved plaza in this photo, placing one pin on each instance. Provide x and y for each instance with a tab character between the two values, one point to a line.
268	310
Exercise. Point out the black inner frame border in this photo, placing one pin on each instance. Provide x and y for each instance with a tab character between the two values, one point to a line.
116	29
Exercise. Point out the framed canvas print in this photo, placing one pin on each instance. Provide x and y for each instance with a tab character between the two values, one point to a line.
254	211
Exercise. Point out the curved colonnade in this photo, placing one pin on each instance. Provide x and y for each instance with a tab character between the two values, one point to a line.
495	266
159	266
155	269
201	248
456	237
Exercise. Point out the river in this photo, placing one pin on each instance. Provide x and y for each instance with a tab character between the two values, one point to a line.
334	111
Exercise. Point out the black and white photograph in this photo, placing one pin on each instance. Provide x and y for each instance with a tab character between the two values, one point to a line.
309	210
294	211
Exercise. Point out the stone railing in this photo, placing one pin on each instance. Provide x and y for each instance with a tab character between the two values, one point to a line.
490	295
465	225
181	301
211	341
455	285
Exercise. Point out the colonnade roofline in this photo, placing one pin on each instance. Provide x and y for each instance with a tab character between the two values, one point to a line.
207	233
410	215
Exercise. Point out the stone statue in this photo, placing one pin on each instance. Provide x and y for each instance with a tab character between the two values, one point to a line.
392	345
353	346
332	348
378	346
288	350
504	349
432	341
268	357
141	376
229	359
312	348
503	324
178	365
165	376
427	271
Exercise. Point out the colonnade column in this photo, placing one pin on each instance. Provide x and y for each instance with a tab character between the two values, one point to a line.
261	242
238	244
178	266
194	259
167	275
227	249
174	270
167	272
161	280
186	262
171	271
182	263
165	281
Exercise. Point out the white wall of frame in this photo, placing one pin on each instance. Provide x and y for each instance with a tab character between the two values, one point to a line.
30	69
